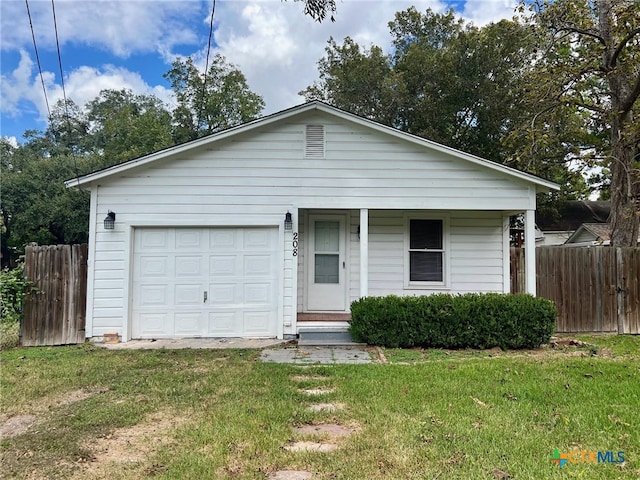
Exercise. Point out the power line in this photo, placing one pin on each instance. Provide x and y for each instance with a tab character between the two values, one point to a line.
206	68
64	92
35	48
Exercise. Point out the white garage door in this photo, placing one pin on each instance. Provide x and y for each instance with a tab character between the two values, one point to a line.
204	282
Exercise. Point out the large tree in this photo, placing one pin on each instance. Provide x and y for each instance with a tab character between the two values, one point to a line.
210	101
582	97
126	126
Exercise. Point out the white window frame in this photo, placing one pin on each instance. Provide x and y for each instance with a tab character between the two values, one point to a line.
446	252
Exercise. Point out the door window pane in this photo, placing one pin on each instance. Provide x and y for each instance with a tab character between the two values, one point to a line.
327	268
327	236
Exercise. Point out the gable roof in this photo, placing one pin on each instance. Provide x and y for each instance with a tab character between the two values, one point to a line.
540	184
572	214
600	232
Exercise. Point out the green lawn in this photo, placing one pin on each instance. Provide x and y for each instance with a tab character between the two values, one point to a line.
222	414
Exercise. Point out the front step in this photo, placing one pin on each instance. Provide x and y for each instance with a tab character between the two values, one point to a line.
325	337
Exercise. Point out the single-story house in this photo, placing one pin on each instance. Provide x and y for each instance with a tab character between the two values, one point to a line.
555	229
285	220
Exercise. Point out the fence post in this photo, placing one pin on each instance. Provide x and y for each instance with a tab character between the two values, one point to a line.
620	291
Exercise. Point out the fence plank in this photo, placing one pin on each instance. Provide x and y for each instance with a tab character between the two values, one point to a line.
595	289
55	313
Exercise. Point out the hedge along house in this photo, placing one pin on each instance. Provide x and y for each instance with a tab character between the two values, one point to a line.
280	223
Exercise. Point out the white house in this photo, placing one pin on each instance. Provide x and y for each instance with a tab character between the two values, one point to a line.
201	245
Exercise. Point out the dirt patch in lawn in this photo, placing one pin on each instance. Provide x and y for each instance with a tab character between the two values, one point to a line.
14	425
126	452
17	425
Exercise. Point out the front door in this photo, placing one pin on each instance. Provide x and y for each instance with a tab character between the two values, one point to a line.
326	278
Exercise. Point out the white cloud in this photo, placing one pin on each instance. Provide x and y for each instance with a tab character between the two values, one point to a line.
81	85
482	12
121	27
275	45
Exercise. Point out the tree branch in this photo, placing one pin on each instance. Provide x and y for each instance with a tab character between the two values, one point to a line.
580	31
623	43
633	96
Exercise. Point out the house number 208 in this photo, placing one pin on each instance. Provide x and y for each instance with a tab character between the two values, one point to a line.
295	244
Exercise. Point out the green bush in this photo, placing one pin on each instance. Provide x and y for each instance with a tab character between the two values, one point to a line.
472	320
13	289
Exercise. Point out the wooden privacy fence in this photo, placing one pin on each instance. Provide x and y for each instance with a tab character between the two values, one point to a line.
595	289
55	313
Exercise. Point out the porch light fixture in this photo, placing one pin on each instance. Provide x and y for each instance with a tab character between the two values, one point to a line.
110	220
288	222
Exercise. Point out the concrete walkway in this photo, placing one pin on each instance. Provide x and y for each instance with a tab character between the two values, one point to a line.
202	343
316	355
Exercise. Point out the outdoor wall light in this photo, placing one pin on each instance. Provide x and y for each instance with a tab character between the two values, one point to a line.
110	220
288	222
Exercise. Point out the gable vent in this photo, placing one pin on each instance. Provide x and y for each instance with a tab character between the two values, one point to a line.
314	141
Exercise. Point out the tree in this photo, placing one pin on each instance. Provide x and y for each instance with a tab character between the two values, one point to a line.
319	9
587	77
212	102
359	81
126	126
35	204
447	80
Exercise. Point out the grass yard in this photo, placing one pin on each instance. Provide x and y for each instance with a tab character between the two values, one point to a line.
84	412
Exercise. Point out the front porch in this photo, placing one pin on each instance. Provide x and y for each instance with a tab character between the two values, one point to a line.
342	255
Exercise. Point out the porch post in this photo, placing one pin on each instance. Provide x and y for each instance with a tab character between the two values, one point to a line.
530	251
364	252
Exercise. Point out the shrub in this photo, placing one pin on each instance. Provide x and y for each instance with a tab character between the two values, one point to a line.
472	320
13	289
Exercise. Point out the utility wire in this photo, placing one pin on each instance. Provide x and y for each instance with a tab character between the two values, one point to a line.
64	92
35	48
206	68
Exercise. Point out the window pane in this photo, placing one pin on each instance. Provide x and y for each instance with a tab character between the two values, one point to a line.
327	236
426	234
426	266
327	269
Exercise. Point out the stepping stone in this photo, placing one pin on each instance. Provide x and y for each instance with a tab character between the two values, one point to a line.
325	407
311	447
308	378
331	429
318	391
290	475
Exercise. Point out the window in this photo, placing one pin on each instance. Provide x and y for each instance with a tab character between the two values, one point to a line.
426	252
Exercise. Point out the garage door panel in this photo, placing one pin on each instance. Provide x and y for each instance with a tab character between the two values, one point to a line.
224	323
189	295
155	324
223	293
257	265
193	282
153	295
223	265
223	239
189	266
256	323
191	239
257	239
153	266
189	323
153	239
257	293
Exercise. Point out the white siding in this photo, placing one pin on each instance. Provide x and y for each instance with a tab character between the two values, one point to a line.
253	178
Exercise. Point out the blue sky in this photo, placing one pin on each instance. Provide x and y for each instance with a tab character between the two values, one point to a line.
131	43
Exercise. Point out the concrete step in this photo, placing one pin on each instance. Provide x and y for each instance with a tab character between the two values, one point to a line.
325	337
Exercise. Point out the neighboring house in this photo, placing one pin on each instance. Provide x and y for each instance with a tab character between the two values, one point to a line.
556	229
258	229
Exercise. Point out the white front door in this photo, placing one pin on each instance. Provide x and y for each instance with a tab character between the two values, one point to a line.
326	279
